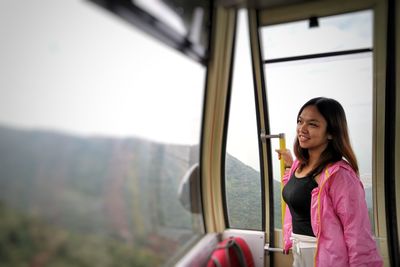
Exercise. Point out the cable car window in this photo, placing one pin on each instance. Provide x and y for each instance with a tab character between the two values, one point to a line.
99	123
242	166
318	35
347	78
184	25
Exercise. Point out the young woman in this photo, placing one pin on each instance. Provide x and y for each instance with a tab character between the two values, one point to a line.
326	221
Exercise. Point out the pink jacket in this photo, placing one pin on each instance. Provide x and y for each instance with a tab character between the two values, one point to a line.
339	219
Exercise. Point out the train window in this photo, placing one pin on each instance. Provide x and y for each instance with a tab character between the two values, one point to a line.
242	169
345	77
98	125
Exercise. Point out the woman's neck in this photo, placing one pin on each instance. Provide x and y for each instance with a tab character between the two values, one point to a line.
313	159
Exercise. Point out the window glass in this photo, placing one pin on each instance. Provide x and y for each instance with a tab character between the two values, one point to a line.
347	79
242	165
334	33
187	18
98	125
184	25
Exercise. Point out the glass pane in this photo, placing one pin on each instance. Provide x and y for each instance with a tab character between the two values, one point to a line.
347	79
335	33
242	173
188	18
97	128
184	25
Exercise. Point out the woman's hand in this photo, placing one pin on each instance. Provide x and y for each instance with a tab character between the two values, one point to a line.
286	155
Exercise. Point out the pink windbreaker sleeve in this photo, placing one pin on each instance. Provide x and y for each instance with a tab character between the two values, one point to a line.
348	200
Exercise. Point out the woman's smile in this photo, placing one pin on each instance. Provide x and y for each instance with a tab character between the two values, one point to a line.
303	138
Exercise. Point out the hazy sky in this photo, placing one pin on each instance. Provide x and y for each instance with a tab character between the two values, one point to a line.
71	66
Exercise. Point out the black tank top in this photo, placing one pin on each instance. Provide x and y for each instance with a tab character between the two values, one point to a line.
297	195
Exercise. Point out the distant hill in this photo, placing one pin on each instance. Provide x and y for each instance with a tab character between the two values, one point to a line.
115	195
96	184
244	195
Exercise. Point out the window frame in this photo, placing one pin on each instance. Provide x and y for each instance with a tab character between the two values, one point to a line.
304	11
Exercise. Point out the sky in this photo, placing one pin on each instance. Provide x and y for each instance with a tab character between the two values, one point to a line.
73	67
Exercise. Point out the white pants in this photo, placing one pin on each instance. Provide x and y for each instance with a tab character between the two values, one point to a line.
303	249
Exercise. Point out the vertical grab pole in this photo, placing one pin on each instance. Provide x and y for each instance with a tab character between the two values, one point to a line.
282	146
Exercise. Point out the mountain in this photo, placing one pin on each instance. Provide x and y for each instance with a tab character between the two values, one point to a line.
68	200
244	197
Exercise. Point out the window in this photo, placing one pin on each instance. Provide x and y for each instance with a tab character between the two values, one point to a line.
346	78
183	25
242	164
98	125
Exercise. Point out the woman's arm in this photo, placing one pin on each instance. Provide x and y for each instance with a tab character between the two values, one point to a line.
287	157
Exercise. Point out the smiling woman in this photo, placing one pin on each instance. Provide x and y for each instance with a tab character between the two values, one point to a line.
319	211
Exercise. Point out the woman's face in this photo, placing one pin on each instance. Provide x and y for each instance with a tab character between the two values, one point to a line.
312	130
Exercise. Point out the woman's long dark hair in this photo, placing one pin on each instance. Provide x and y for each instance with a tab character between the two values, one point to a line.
339	147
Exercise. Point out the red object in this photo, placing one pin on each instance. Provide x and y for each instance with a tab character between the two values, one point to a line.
231	252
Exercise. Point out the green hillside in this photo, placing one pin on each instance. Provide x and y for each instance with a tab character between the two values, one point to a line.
89	201
244	198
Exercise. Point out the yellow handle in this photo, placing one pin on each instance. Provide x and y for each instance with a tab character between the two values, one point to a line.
282	146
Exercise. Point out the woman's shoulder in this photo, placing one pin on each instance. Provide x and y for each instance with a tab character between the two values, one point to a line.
341	167
341	172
